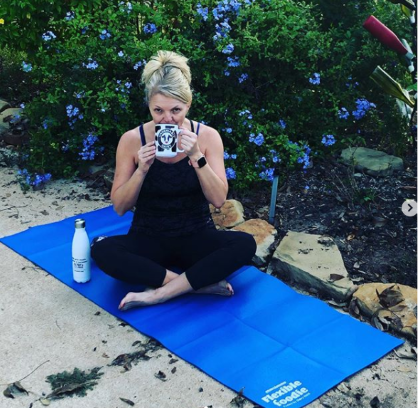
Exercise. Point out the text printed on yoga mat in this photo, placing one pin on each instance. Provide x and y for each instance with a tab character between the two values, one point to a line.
286	394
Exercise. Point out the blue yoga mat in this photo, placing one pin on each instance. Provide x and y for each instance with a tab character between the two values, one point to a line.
283	349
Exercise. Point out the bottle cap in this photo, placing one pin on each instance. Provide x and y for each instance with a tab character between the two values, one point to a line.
80	223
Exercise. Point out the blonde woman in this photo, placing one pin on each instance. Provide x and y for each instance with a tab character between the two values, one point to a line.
172	225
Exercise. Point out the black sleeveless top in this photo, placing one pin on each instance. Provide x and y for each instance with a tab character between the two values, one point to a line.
171	201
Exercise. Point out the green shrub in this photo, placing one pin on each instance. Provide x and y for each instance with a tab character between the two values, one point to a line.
272	76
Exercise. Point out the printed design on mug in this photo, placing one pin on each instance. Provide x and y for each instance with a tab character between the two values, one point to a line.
166	138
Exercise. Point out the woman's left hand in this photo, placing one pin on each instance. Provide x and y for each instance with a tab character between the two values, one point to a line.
189	142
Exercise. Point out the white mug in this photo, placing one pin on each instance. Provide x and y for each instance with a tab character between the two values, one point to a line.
166	140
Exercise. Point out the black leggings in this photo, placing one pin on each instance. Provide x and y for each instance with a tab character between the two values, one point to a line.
206	257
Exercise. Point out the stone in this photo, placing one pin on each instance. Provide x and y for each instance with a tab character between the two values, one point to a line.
375	307
372	162
264	235
3	105
4	126
313	261
229	215
108	178
14	140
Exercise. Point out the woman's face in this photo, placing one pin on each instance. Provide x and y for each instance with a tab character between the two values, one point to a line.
167	110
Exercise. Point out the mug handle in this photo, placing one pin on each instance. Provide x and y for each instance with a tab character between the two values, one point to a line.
177	144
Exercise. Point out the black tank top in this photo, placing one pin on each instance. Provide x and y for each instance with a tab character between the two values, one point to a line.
171	201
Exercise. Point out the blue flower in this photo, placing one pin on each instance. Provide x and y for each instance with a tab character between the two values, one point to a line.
251	138
26	67
227	73
233	62
267	174
48	36
22	105
202	11
230	173
228	49
343	113
120	54
228	130
282	123
105	34
84	30
259	140
150	28
243	78
70	15
363	105
226	156
328	140
316	79
91	65
233	156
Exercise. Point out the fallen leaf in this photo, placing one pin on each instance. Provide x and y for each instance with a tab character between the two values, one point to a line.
174	370
161	376
376	322
173	360
404	369
44	401
353	309
335	277
375	402
390	297
398	308
129	402
14	390
411	356
356	265
351	237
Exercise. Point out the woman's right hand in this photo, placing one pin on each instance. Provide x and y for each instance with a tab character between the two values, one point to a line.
146	156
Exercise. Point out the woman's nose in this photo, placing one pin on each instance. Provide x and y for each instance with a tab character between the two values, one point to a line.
168	118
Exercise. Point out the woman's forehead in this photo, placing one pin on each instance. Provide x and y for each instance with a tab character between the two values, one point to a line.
165	101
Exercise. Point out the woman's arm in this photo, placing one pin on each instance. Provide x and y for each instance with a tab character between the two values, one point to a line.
212	176
129	176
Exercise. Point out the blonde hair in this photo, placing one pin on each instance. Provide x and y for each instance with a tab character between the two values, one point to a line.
167	73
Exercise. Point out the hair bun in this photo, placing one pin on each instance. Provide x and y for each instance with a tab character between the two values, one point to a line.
168	73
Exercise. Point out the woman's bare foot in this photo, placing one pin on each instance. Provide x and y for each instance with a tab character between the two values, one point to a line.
138	299
222	288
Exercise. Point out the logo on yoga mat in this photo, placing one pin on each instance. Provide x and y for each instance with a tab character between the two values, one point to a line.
286	394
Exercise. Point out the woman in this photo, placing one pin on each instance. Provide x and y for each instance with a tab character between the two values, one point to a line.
172	225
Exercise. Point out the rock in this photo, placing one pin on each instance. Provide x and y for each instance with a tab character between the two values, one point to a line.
229	215
14	140
4	126
108	178
313	261
372	162
395	306
264	235
3	105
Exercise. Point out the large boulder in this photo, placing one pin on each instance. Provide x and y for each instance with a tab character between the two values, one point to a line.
264	235
389	306
5	117
229	215
4	105
373	162
313	261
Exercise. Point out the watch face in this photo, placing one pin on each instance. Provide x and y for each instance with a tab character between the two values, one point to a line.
201	162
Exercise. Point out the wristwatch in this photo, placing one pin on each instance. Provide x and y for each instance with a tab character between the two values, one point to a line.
200	162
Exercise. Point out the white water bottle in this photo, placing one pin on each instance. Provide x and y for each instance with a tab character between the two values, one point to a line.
81	252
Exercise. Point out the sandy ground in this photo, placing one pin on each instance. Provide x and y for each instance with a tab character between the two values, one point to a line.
46	324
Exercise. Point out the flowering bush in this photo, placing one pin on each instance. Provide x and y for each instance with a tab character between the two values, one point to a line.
267	74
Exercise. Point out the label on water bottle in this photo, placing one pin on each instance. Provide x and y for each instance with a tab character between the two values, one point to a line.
81	270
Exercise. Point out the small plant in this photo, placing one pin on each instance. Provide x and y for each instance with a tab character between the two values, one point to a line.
77	383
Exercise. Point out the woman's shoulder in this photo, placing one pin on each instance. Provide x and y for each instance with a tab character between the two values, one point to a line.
130	136
206	131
